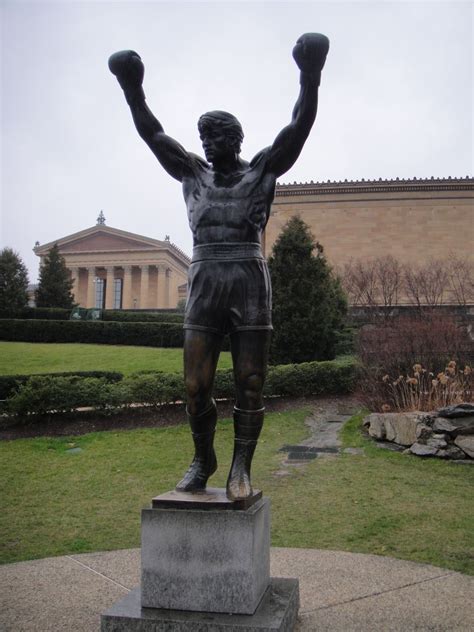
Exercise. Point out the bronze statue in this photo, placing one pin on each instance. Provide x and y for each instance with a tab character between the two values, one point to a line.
228	202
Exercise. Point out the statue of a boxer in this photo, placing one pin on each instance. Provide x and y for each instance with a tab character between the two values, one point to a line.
228	202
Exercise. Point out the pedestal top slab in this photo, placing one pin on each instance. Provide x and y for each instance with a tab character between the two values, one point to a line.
210	498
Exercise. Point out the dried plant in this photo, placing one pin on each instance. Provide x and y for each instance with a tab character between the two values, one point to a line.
424	390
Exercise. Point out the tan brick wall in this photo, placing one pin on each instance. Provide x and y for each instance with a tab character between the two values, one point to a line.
413	221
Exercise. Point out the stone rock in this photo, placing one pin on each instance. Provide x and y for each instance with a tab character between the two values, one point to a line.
435	442
452	452
376	425
423	450
466	443
401	428
457	410
454	426
423	432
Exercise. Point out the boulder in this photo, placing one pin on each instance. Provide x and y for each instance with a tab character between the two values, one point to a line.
423	450
452	452
466	443
401	427
454	426
437	441
376	425
423	433
457	410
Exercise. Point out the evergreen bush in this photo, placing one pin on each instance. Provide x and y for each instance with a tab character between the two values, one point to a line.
142	317
55	284
309	305
13	281
10	383
93	332
38	313
47	394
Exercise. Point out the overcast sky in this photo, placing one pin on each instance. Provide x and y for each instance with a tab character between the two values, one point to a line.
396	100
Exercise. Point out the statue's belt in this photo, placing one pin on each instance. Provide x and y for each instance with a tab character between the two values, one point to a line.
227	251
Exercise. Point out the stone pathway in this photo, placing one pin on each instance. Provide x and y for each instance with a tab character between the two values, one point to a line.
326	420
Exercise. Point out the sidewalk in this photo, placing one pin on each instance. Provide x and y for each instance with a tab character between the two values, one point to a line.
340	592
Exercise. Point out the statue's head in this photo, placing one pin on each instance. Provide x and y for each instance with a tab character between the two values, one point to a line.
219	130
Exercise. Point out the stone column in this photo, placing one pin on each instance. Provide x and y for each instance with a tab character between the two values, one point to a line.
127	288
90	303
109	288
144	286
163	287
75	279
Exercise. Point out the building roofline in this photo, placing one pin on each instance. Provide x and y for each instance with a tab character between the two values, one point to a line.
376	186
153	243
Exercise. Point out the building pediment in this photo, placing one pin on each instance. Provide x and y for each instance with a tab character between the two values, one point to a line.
105	239
102	241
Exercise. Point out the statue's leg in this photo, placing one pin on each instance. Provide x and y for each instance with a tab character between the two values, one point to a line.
201	352
250	356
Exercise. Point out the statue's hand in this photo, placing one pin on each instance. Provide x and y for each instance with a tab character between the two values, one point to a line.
310	52
128	67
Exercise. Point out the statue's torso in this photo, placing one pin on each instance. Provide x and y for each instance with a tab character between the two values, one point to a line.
232	208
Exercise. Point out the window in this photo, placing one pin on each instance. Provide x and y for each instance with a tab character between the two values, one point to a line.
100	293
117	293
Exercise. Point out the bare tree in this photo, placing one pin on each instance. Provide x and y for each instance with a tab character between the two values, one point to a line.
427	285
460	280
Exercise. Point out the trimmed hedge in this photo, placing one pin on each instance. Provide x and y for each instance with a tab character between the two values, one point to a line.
94	332
10	383
46	394
38	313
142	317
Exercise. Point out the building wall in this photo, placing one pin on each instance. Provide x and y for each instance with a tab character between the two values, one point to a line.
412	220
151	270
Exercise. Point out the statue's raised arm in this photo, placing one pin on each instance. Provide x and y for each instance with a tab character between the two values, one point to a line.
128	67
310	54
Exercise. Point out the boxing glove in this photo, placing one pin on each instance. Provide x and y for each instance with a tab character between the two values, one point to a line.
128	67
310	53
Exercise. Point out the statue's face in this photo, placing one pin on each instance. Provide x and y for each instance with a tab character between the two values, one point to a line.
216	144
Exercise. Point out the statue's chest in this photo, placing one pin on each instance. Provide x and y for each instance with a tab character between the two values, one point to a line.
234	200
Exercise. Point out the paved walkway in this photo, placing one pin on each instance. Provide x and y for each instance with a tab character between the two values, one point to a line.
340	592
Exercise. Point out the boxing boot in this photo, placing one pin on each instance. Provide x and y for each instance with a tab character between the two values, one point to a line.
204	463
247	427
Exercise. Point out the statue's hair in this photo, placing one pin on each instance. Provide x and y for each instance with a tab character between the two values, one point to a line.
224	120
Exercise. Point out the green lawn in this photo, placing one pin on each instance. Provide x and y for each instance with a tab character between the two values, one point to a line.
57	502
25	358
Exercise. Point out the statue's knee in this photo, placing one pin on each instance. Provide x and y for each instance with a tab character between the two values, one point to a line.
251	392
197	395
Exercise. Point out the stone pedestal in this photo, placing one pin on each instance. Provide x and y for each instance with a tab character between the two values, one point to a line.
207	560
206	566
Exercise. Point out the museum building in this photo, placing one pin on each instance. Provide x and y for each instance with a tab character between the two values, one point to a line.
115	269
413	220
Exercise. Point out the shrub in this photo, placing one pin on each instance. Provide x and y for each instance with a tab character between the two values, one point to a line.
423	390
309	305
55	284
142	317
432	339
13	281
388	353
42	313
10	383
98	332
46	394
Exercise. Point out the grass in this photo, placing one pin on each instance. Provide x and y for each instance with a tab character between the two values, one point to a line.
57	502
25	358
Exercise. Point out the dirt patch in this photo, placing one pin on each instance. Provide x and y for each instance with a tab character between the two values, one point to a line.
80	423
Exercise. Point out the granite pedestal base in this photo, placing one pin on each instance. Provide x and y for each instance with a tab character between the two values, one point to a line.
277	612
206	568
209	560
